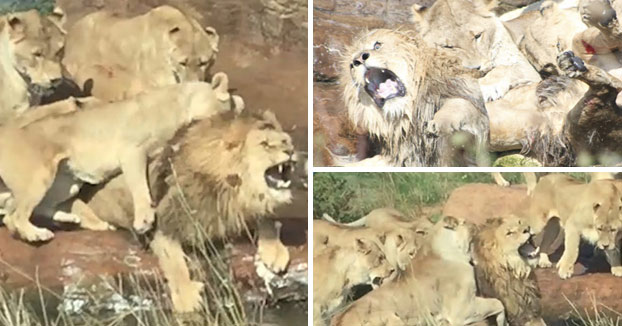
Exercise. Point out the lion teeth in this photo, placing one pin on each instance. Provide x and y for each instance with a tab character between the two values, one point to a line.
280	168
367	80
287	183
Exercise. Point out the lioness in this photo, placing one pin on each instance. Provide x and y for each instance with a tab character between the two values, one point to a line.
115	57
29	46
399	245
438	287
336	269
386	219
504	254
93	145
13	89
478	37
589	211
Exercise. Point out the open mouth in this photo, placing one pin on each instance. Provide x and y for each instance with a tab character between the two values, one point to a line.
280	176
529	249
383	85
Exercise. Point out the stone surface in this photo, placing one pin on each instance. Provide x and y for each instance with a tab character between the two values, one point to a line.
479	202
75	258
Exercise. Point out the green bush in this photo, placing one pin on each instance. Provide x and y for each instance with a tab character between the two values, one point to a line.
349	196
44	6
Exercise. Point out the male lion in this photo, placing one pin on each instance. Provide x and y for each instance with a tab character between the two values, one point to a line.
589	211
503	254
336	269
225	174
93	145
438	287
115	57
394	86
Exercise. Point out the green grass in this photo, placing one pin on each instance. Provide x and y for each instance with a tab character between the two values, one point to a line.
43	6
348	196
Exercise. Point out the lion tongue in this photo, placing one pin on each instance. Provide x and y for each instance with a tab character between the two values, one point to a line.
388	88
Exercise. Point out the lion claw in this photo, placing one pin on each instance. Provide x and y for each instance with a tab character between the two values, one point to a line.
570	64
616	271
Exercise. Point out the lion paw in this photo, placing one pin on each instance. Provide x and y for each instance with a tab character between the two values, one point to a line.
273	254
432	129
616	271
30	232
493	90
570	64
544	261
187	297
565	271
143	220
66	217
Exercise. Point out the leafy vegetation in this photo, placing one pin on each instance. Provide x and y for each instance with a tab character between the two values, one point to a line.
43	6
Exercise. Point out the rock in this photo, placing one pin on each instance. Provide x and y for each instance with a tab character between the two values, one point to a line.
478	202
77	262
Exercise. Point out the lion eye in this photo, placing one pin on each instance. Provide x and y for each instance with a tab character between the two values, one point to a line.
184	62
37	53
510	233
478	35
447	46
377	46
264	143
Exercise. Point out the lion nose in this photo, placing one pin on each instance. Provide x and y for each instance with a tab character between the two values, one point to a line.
606	247
289	152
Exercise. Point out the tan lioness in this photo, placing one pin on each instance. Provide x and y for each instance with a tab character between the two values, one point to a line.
336	269
93	145
117	57
590	211
437	288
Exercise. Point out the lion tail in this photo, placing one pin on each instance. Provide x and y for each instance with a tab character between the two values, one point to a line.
358	223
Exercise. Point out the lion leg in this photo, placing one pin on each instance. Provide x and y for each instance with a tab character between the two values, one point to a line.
185	293
499	180
531	180
88	219
134	167
26	197
613	258
458	116
593	76
270	249
565	266
482	308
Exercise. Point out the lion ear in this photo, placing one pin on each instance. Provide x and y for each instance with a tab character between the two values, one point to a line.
270	117
17	28
362	246
58	18
450	222
382	238
419	13
400	240
220	85
213	37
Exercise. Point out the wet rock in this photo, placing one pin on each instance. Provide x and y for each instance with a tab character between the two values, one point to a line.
85	267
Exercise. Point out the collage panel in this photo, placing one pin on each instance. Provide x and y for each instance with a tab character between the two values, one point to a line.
466	83
461	248
153	162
